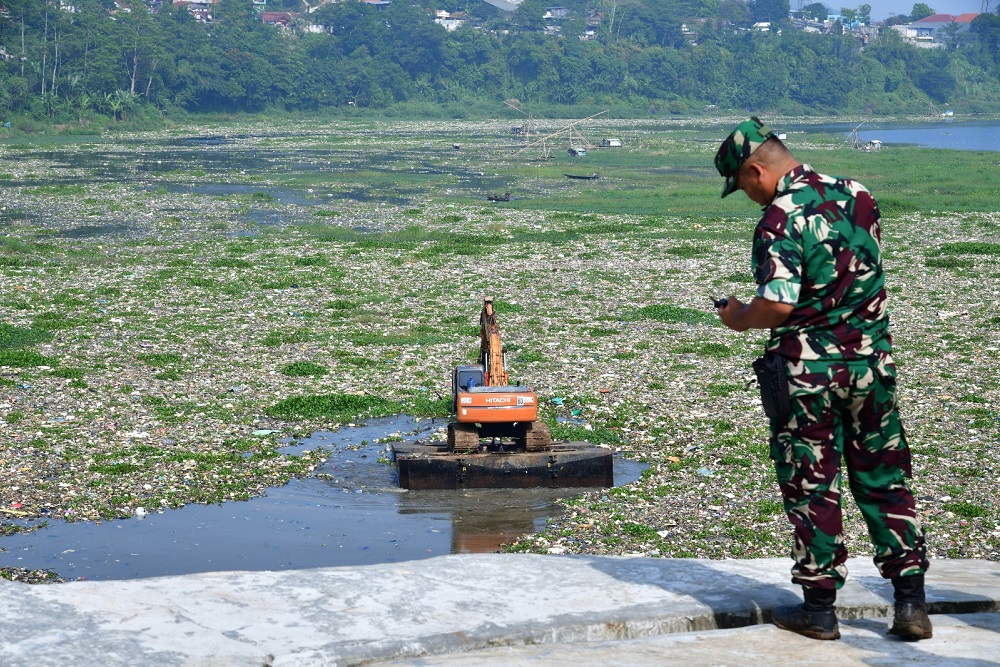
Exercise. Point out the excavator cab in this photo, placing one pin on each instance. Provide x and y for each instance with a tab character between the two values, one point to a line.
467	377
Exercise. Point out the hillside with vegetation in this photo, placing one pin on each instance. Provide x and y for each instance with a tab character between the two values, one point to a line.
97	62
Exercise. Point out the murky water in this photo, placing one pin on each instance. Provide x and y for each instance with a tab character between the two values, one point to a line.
285	183
942	133
351	513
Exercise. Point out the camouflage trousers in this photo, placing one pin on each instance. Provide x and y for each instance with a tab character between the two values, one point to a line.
846	412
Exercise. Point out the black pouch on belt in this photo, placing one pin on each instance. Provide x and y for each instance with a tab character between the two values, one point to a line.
773	382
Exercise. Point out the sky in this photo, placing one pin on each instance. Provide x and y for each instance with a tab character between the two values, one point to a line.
883	8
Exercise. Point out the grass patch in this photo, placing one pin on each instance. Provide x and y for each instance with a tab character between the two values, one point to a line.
279	338
967	510
686	251
159	359
68	373
311	260
768	508
948	263
425	405
54	322
333	407
713	350
967	248
724	388
25	359
602	331
115	468
12	337
355	359
14	416
230	263
303	369
665	312
640	531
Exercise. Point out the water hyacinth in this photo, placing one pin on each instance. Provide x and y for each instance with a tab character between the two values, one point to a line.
162	336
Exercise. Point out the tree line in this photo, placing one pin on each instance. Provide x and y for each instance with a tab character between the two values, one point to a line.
101	64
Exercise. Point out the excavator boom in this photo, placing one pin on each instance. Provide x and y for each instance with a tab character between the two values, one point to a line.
491	352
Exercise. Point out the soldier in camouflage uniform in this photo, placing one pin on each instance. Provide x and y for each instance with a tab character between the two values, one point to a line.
821	292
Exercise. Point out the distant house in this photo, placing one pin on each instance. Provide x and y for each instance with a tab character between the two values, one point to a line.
201	10
811	25
280	19
930	31
450	21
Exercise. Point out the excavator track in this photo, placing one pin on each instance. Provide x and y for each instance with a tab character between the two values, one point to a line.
463	437
537	436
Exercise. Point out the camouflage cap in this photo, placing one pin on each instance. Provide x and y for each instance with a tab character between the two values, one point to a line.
738	146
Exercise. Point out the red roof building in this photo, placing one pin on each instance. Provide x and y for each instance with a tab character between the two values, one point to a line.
948	18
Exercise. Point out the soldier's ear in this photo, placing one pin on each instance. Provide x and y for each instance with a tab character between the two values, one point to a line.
755	169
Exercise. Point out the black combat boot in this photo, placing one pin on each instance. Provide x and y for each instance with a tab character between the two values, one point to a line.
815	618
911	621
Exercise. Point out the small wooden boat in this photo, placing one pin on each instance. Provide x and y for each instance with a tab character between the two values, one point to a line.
585	177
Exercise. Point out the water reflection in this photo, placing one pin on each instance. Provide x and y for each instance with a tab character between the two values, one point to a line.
351	513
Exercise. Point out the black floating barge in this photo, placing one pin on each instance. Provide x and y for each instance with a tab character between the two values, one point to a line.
425	465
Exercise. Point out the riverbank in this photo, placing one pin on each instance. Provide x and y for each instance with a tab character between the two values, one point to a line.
162	300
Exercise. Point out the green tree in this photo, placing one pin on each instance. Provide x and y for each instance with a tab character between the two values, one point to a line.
932	75
816	10
418	44
529	16
952	36
236	13
734	12
769	10
985	28
921	11
141	47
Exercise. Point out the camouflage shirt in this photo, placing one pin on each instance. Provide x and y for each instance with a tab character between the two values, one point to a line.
817	248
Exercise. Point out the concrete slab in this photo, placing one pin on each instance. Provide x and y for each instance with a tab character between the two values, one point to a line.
434	607
971	640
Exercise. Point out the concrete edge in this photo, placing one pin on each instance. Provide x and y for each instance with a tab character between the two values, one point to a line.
439	606
642	621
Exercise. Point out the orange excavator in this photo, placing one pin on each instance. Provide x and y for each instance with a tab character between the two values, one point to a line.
486	406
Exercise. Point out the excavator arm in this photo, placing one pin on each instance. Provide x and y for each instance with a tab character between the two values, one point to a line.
491	352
